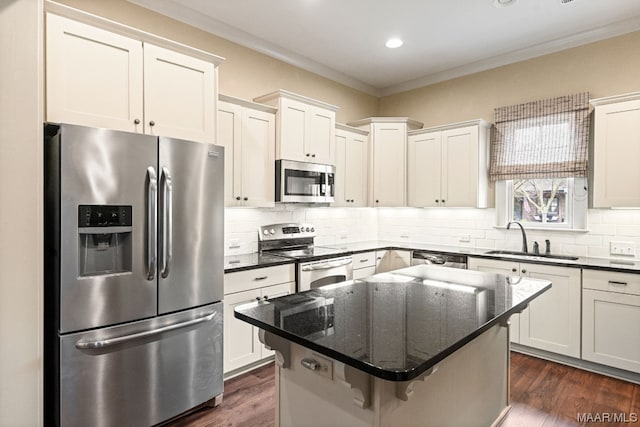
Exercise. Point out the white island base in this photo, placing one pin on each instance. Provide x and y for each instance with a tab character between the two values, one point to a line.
470	387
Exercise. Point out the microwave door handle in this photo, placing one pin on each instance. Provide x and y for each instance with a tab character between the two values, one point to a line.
167	223
152	222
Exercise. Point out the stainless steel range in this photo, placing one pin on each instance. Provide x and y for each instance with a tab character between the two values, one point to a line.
316	265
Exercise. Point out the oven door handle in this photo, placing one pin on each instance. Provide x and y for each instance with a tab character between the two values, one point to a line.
326	266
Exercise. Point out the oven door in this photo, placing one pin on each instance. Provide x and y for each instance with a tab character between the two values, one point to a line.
298	182
325	272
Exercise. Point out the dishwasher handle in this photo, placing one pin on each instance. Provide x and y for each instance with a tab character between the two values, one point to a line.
326	265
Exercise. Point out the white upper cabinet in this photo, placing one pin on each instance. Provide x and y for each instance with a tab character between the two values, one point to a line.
615	149
387	158
179	95
351	166
305	127
448	165
102	78
247	132
94	77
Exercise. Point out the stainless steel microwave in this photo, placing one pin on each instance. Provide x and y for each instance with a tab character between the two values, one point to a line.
299	182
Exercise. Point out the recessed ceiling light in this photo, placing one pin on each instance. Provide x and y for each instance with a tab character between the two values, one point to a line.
393	43
503	3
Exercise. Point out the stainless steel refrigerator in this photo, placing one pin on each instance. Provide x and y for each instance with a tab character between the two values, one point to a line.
133	276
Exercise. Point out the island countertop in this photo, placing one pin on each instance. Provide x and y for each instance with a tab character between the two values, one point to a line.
397	325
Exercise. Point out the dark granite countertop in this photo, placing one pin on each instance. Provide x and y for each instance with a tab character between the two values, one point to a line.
396	325
255	260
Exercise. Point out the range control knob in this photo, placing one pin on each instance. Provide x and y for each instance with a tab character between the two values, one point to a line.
272	231
307	229
265	232
313	229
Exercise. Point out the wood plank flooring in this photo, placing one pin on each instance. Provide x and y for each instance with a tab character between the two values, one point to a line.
543	394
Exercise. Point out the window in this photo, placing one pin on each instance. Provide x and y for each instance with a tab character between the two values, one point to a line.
539	162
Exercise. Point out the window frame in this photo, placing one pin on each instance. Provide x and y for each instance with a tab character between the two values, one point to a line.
577	206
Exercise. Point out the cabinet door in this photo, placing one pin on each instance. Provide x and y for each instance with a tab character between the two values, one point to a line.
460	167
274	292
508	268
356	161
94	77
257	158
179	95
390	260
241	346
611	329
293	119
340	196
616	149
319	141
389	159
424	169
552	321
229	136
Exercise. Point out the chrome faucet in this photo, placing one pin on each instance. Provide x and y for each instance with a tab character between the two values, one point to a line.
524	235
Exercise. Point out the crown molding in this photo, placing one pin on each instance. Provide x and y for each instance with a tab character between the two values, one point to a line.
598	102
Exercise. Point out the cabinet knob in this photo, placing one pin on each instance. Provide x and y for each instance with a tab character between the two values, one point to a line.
238	198
258	298
313	155
442	200
152	123
514	270
524	271
266	297
136	121
377	201
437	201
245	199
307	154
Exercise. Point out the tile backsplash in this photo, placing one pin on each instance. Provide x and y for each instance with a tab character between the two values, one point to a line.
473	228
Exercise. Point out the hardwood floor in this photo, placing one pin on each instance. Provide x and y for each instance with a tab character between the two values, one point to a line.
543	394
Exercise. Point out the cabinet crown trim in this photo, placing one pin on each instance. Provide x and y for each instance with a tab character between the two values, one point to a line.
411	123
246	103
614	99
340	126
477	122
125	30
272	97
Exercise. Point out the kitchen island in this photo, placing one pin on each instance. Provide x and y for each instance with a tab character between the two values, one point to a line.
420	346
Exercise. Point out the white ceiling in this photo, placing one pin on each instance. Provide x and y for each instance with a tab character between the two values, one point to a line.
344	39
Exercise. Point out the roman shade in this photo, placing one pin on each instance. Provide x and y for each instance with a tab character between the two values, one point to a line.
541	139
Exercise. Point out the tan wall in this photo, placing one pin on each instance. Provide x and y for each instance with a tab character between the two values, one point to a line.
245	73
605	68
21	213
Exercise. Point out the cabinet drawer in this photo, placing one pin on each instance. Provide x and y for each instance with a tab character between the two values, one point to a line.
364	259
258	278
625	283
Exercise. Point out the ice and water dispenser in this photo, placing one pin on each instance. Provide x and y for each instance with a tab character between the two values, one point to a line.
104	239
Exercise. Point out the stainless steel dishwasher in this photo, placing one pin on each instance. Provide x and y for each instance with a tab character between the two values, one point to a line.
438	258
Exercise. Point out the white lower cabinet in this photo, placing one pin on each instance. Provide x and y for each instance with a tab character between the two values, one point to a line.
364	264
391	259
552	321
611	319
241	344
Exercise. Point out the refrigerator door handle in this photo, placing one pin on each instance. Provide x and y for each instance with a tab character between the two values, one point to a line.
92	345
152	222
167	223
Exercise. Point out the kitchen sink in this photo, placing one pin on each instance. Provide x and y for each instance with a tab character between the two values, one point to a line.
533	256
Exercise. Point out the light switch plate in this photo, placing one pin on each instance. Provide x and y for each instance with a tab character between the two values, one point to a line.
622	248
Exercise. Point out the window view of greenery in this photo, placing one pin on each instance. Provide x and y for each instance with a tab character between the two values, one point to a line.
541	201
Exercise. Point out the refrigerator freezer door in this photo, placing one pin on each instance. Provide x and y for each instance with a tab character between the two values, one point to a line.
104	172
191	221
141	373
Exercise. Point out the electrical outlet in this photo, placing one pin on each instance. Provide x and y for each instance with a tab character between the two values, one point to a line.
464	238
622	248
